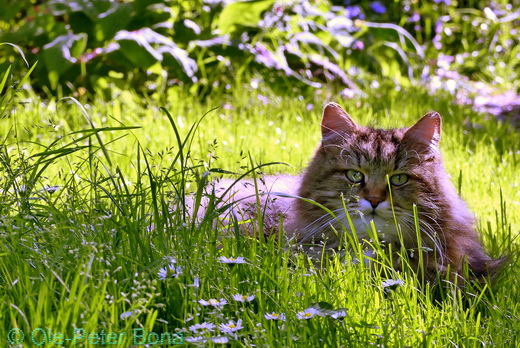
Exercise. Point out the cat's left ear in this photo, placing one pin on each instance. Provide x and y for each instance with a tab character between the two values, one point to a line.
425	135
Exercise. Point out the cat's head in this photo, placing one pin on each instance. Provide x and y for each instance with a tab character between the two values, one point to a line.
375	173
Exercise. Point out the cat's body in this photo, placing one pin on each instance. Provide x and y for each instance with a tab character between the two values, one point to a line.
379	176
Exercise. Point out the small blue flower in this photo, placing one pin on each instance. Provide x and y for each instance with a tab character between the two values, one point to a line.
202	327
213	302
243	298
307	314
391	284
354	12
416	17
232	260
171	271
275	316
378	7
358	45
231	326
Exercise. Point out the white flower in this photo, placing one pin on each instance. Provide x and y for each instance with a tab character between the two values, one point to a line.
243	298
126	315
338	315
221	339
171	271
239	259
275	316
307	314
202	327
231	326
170	259
391	284
196	339
52	189
213	302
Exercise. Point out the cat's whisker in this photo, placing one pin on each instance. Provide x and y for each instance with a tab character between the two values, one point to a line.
321	224
426	229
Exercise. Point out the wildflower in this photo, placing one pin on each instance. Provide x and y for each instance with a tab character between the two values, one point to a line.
239	259
170	259
243	298
338	315
263	99
213	302
231	326
391	284
275	316
51	189
307	314
358	45
221	339
171	271
202	327
378	7
126	315
198	339
416	17
353	12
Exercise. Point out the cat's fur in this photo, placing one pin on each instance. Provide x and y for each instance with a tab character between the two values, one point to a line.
373	157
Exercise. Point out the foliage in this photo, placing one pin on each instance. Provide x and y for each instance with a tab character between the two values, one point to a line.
293	44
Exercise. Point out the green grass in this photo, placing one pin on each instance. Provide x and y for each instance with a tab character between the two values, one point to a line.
83	259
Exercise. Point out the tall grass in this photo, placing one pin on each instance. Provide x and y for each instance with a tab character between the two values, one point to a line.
87	215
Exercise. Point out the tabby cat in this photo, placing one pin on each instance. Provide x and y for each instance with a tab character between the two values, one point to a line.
378	176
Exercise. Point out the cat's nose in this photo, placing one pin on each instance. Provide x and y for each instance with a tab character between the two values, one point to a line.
374	201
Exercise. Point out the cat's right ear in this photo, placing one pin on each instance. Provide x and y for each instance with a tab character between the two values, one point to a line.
424	136
336	122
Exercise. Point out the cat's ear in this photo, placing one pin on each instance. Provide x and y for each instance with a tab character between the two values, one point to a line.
336	122
425	135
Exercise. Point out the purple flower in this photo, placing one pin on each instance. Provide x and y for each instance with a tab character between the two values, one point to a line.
264	100
445	2
438	27
437	42
353	12
414	18
358	45
378	7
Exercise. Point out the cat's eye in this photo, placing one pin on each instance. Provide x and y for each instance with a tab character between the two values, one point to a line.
354	176
399	179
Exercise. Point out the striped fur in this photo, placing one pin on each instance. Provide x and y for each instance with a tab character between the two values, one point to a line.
447	234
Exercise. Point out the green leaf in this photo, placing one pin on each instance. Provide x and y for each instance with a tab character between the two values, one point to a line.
137	47
247	14
112	21
61	53
145	47
92	9
10	9
17	49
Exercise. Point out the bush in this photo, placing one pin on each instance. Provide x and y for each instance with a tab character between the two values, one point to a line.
213	44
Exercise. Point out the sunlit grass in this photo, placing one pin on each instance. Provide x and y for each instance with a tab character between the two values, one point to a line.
83	241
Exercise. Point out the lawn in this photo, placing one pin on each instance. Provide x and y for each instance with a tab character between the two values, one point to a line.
87	225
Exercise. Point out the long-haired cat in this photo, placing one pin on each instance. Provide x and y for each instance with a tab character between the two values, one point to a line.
376	178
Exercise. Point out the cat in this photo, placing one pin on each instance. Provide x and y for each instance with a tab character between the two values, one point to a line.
379	176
